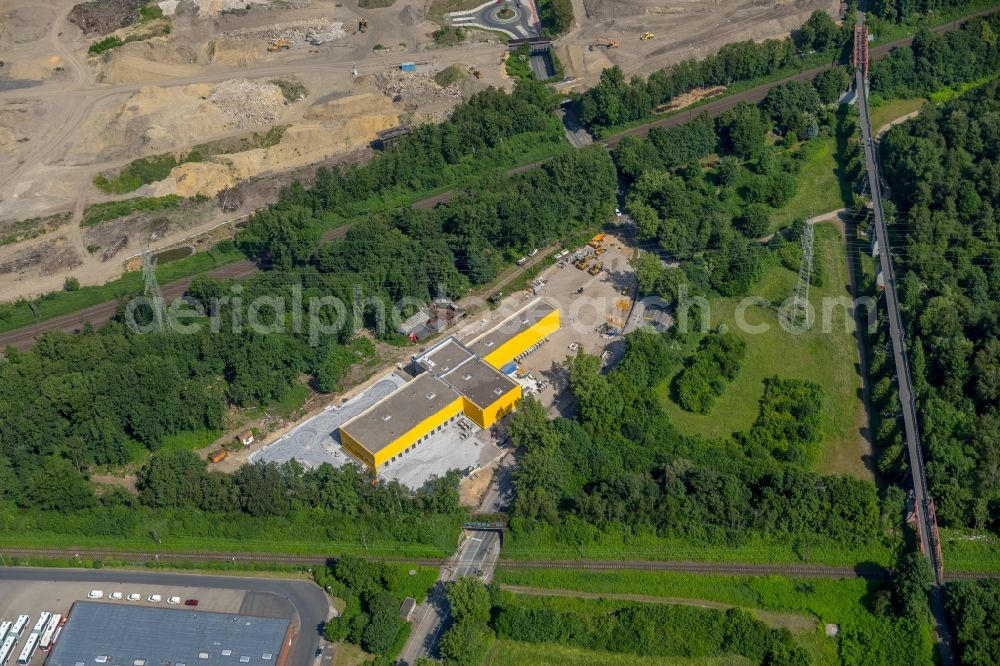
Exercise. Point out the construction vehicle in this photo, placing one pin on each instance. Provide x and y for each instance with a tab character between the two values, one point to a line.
646	36
279	45
218	456
582	264
596	268
605	42
599	250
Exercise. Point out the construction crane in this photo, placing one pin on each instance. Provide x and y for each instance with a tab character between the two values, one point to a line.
279	45
605	42
646	36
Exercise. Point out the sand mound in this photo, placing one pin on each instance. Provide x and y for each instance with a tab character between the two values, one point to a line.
346	107
238	52
42	68
150	60
153	120
200	178
302	144
7	139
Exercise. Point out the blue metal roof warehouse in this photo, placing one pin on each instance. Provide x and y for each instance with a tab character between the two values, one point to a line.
124	635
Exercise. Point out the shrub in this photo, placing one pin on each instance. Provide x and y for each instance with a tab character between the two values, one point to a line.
709	370
106	44
111	210
449	75
449	36
71	284
292	91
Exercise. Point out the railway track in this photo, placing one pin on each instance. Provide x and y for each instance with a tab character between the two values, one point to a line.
874	572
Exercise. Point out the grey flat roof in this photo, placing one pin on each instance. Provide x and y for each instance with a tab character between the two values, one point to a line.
143	636
444	356
512	326
397	413
479	381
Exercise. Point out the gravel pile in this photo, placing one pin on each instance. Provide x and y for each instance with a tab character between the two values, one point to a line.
297	33
412	87
248	102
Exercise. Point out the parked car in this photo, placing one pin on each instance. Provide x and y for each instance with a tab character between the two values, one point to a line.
173	600
95	594
154	598
135	596
190	602
115	595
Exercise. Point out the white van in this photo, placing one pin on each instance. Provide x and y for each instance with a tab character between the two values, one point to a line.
154	598
95	594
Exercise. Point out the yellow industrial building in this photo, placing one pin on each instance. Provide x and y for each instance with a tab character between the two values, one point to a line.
457	379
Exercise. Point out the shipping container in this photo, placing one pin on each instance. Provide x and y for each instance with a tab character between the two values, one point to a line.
408	67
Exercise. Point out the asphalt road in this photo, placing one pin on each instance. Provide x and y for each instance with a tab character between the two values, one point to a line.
24	338
310	602
523	24
477	556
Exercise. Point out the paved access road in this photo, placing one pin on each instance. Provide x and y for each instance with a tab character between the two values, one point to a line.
521	25
310	602
477	556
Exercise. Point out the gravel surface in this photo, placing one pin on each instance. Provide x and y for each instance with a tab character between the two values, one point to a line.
298	33
248	102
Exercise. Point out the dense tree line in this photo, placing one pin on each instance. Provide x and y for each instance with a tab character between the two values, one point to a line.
652	630
622	463
898	11
419	253
788	423
974	607
935	61
556	16
942	168
615	101
708	371
372	595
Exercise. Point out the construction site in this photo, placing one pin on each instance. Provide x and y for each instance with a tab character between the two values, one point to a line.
230	92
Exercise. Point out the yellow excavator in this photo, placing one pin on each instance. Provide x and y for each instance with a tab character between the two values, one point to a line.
279	45
605	42
646	36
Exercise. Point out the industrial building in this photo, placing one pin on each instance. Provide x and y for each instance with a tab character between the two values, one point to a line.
125	635
455	380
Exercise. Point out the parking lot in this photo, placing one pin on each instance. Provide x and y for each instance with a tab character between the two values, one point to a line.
315	442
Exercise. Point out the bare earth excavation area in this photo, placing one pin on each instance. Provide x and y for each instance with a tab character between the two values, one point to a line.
227	91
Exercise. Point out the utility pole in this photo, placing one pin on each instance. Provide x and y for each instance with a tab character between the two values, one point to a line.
797	316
